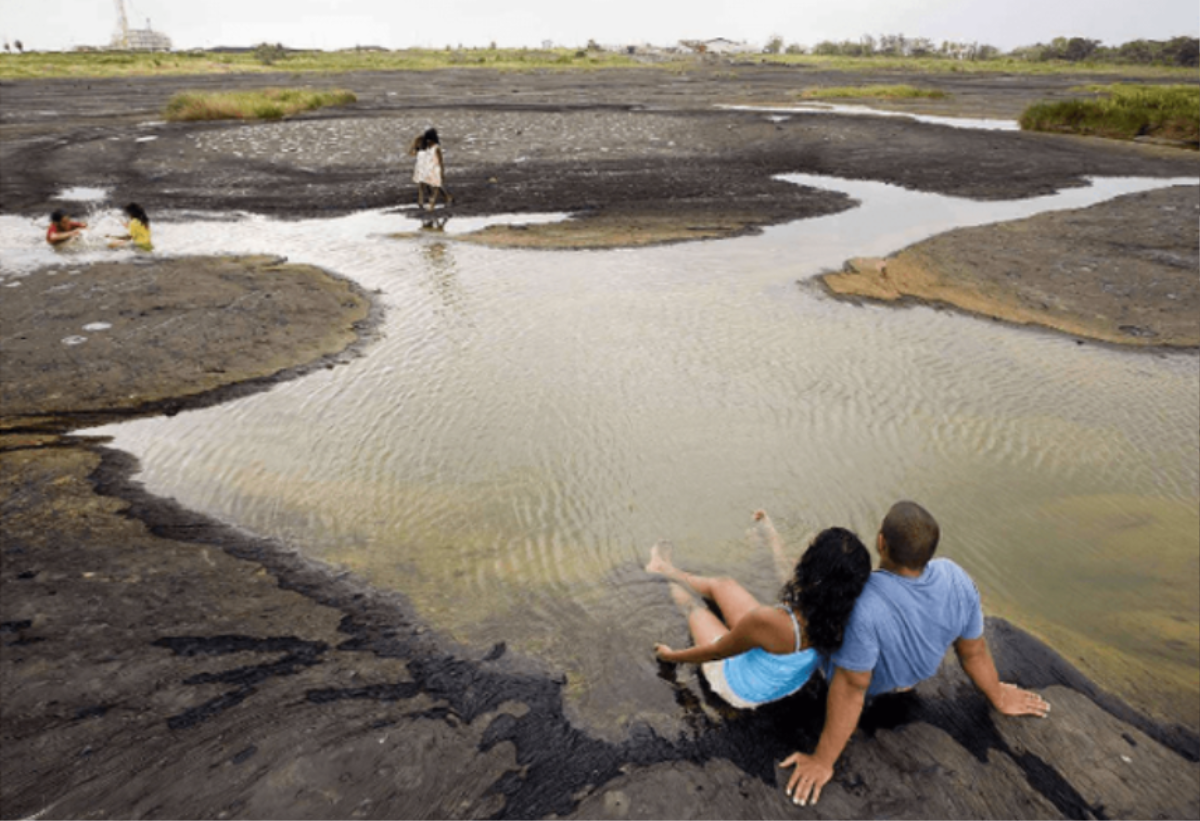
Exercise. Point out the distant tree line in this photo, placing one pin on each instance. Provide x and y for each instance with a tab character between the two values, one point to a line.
1179	51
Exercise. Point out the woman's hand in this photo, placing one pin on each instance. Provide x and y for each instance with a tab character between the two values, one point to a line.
663	653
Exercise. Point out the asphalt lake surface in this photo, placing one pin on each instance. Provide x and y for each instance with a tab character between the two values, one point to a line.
531	421
525	423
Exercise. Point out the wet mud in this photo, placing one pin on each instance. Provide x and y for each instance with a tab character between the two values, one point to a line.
1122	272
154	663
176	331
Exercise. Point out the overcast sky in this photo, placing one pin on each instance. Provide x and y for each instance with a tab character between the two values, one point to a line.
330	24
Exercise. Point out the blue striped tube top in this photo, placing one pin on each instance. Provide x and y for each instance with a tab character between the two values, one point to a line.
759	677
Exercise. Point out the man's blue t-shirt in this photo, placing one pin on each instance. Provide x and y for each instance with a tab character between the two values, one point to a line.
901	628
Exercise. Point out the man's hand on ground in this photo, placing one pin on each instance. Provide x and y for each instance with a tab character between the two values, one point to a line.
1013	701
808	779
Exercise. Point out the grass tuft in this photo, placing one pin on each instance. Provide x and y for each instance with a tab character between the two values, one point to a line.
266	104
139	64
877	92
1123	111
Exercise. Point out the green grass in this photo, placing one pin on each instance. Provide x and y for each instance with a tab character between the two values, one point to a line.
265	104
1000	65
876	92
123	64
1123	111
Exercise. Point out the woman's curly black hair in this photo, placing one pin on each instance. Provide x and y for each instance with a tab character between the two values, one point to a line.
827	582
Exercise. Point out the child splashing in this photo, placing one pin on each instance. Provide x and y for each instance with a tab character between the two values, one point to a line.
63	229
755	654
137	229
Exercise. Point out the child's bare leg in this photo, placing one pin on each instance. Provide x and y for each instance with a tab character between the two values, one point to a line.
433	202
784	565
420	195
733	599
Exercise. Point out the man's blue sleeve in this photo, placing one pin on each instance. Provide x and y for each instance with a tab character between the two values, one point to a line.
860	646
973	618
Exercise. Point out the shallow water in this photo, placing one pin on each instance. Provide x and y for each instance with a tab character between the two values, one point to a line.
974	123
531	422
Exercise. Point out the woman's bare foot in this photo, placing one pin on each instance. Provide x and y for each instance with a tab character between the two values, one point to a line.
660	559
765	530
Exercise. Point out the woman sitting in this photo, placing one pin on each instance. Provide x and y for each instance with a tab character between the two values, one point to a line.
758	653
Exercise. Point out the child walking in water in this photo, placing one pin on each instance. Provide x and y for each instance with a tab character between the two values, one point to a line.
755	654
430	168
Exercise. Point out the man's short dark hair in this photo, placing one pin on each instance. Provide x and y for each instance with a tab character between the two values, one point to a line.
57	216
911	534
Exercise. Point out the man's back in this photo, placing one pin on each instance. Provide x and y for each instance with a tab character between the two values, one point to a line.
902	627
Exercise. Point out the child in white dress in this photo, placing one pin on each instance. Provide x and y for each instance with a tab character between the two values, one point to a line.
429	169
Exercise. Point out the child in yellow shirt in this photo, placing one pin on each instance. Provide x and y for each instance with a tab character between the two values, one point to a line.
138	227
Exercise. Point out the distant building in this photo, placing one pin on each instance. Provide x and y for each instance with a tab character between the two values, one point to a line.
129	39
719	45
141	40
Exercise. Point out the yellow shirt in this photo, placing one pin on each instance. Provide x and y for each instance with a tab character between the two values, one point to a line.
140	234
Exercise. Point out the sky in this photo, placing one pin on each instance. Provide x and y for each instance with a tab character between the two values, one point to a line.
57	25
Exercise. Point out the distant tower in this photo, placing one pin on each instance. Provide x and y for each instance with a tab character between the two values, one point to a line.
137	39
121	38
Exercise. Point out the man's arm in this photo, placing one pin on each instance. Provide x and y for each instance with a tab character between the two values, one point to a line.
59	237
977	663
844	706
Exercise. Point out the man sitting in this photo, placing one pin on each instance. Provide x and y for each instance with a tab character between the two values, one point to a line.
911	611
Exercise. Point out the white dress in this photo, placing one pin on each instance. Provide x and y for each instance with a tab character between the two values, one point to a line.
428	170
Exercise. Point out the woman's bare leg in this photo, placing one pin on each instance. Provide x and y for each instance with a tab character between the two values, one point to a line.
785	566
703	624
734	600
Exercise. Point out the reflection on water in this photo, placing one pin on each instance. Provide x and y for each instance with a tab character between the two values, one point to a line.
530	422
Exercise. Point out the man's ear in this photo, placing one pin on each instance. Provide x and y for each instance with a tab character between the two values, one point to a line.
881	545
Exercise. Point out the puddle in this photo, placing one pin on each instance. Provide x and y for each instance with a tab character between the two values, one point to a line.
862	110
529	423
